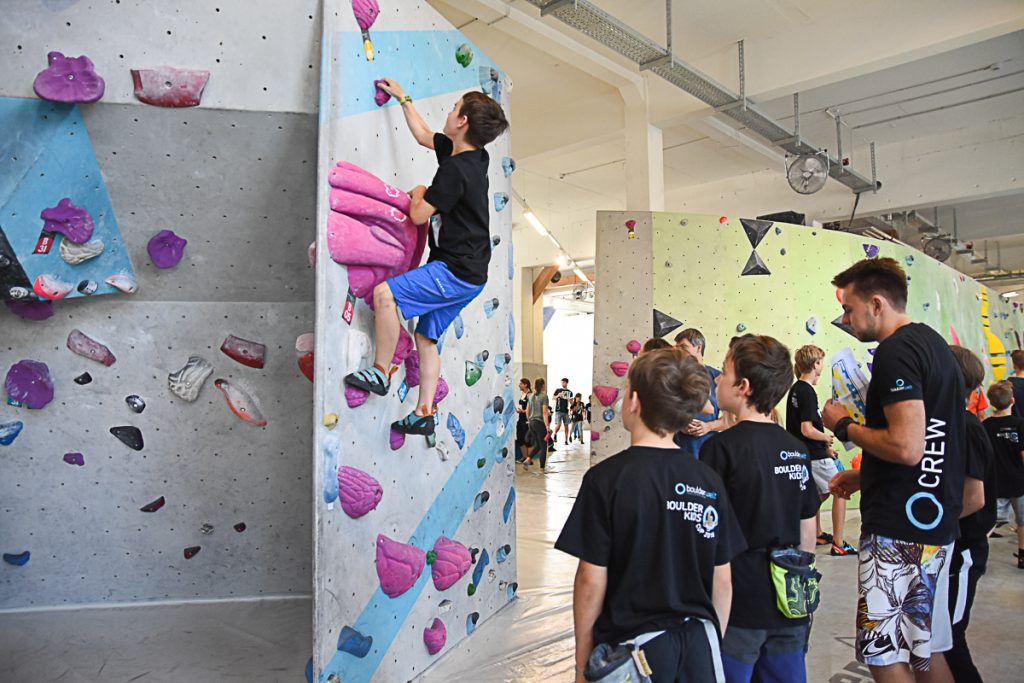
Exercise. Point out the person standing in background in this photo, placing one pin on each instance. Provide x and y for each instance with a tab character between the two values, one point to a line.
1006	432
576	417
706	424
538	415
562	397
522	429
1017	382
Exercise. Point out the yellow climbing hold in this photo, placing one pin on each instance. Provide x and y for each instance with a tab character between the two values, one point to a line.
330	420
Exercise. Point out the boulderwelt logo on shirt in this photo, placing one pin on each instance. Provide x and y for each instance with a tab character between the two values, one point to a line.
703	515
899	386
794	466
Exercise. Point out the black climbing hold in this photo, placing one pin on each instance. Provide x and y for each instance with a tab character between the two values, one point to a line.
755	229
663	324
499	405
135	403
84	378
755	266
154	506
240	527
129	436
838	322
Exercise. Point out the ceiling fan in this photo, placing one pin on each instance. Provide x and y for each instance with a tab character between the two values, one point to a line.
807	173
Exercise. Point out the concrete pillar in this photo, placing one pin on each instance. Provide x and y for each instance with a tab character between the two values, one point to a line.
530	349
645	165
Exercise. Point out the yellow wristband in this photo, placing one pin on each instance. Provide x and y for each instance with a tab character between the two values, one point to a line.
404	99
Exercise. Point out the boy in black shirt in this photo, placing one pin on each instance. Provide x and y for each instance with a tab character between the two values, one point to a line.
1017	381
456	205
912	476
767	474
562	397
804	422
654	532
970	551
1006	432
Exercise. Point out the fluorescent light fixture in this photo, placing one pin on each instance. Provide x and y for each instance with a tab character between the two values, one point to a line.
1010	295
562	260
535	222
553	240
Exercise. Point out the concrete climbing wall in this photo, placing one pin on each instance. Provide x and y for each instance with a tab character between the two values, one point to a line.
236	177
728	276
399	500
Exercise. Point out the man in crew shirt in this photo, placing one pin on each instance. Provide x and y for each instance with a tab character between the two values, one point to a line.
562	397
911	477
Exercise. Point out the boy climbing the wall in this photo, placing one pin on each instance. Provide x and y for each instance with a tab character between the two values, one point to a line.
456	205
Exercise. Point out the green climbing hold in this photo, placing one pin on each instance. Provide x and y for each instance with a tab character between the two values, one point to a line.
470	589
481	462
473	373
464	55
431	556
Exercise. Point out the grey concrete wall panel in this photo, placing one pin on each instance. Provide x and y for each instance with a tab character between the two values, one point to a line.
262	55
623	310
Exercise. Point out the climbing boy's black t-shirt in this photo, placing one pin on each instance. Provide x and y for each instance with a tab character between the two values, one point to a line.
767	475
919	503
802	406
1007	437
459	193
562	397
1018	395
975	527
660	522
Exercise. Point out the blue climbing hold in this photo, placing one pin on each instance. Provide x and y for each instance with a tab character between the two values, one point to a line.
501	360
481	499
455	427
510	591
471	621
18	560
909	259
332	448
506	511
508	166
9	432
511	263
481	358
511	332
503	553
478	571
608	415
510	410
460	327
500	200
309	671
354	642
490	306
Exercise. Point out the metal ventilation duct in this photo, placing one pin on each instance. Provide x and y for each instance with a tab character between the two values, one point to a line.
612	33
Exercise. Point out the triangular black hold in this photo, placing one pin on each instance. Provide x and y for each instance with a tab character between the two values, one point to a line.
756	230
838	322
755	266
663	324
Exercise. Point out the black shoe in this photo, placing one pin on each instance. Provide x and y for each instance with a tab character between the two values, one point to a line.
371	379
412	423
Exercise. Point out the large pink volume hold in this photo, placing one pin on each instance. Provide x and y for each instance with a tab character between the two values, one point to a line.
451	562
369	229
358	491
399	565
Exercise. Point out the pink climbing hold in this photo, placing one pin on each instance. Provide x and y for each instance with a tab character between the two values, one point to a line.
404	348
166	86
87	347
399	565
51	287
451	562
366	12
358	491
396	440
69	220
412	369
954	336
355	397
435	636
380	95
633	346
606	395
619	367
369	230
595	436
69	79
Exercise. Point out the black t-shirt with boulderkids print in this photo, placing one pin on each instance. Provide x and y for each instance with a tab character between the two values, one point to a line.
919	503
980	466
766	471
459	193
1007	437
562	397
802	406
660	522
1018	395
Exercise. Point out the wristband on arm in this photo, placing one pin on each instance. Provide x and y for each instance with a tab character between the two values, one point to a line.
405	98
842	428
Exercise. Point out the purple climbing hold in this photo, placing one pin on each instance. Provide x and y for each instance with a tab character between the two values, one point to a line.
9	431
70	220
405	346
606	395
166	86
129	436
412	369
18	560
380	95
355	397
29	383
354	642
87	347
434	636
870	250
32	309
358	491
69	79
74	459
399	565
396	439
166	249
451	562
442	390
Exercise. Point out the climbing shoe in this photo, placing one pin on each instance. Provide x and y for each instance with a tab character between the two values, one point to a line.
824	538
371	379
415	424
845	549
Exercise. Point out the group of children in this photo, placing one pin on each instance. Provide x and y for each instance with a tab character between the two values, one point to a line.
536	428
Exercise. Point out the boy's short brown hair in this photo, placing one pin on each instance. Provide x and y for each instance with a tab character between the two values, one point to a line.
1017	357
1000	395
486	119
672	388
970	367
805	358
764	362
655	343
881	276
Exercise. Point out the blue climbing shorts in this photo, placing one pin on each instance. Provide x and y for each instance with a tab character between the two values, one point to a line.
433	294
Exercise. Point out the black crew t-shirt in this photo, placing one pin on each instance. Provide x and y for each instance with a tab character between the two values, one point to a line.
767	475
802	406
1018	395
660	522
459	193
975	527
919	503
1007	437
562	397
